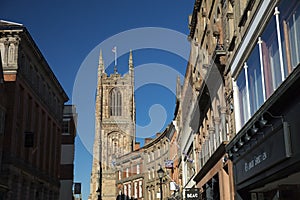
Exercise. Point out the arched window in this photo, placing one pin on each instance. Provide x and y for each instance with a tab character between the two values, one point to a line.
115	103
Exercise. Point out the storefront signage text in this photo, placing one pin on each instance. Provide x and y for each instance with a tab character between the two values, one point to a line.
255	161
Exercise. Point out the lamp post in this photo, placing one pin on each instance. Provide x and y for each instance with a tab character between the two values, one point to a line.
161	174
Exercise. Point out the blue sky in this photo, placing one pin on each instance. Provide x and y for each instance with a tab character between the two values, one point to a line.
71	32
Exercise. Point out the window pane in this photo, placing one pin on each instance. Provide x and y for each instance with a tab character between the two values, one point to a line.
241	83
115	103
255	82
270	53
290	15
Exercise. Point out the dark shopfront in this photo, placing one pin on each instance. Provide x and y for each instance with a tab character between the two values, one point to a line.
266	152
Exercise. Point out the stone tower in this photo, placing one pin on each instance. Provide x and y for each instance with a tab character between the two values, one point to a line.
114	128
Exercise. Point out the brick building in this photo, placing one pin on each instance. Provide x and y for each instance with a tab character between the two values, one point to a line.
33	122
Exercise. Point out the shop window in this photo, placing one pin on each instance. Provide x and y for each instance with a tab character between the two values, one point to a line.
153	173
270	61
290	28
271	58
250	86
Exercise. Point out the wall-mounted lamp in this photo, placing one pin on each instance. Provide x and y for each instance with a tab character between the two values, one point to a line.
247	137
254	130
230	154
235	149
262	122
240	143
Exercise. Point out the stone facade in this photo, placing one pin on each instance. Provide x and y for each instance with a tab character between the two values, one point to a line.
130	176
204	118
114	128
155	153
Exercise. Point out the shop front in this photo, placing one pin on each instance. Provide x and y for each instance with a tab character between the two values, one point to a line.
266	152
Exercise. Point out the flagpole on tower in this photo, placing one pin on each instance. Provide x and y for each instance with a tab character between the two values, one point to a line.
114	50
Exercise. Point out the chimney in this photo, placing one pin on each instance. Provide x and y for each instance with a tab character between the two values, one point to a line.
147	140
136	145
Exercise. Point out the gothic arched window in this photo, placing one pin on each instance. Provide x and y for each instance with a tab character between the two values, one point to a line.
115	103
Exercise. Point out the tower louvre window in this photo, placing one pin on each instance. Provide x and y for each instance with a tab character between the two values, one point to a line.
115	103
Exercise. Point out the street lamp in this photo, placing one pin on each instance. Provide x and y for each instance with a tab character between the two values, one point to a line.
161	174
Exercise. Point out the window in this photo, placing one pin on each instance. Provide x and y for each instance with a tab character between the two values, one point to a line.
153	172
137	169
125	190
275	55
149	195
149	174
129	190
290	26
140	189
120	175
136	189
249	83
66	127
127	172
271	58
115	102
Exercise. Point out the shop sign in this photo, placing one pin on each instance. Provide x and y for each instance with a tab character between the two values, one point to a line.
270	151
169	164
192	193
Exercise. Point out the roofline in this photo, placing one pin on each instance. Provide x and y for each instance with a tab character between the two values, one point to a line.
194	19
161	136
51	75
10	22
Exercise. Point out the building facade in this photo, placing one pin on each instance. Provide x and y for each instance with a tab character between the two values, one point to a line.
155	155
205	120
67	152
3	188
115	127
265	69
130	176
30	162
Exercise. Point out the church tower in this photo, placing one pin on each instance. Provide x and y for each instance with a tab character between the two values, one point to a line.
114	128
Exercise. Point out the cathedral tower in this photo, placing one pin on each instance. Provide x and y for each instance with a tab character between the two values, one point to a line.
114	127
